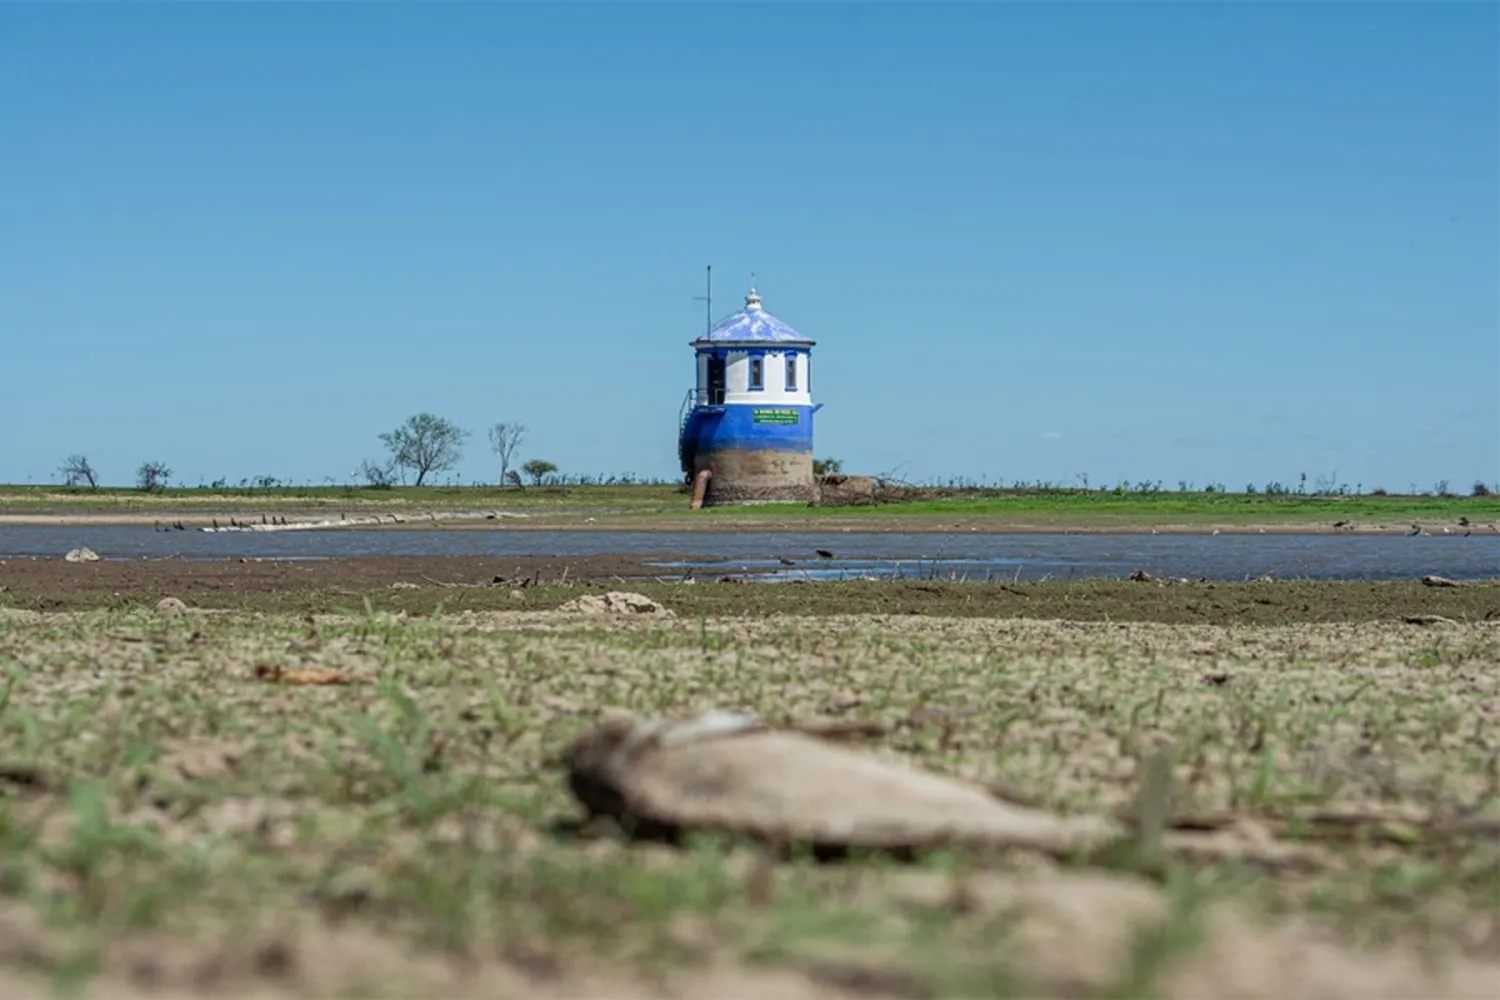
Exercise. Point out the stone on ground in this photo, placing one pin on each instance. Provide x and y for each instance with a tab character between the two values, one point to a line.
616	602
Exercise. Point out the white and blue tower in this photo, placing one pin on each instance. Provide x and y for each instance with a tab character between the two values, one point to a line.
748	423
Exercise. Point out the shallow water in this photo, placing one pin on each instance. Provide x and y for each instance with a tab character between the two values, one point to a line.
963	556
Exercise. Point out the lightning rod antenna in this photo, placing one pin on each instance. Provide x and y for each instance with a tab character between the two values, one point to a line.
708	301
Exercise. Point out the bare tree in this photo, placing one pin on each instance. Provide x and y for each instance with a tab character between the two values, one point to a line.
381	476
505	438
426	443
152	476
76	471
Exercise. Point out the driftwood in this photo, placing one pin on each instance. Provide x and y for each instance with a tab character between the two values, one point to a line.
1427	620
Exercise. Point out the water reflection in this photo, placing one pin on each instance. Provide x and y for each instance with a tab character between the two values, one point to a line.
971	556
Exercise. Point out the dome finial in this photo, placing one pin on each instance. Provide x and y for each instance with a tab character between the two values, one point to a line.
752	301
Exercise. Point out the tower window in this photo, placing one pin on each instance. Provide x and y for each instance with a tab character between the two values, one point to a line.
757	373
791	373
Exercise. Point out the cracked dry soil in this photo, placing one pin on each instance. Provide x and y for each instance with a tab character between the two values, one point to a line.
178	819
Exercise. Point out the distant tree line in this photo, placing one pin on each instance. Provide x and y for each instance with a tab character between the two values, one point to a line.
425	446
1323	488
77	470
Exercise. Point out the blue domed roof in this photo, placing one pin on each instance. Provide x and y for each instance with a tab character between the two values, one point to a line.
752	325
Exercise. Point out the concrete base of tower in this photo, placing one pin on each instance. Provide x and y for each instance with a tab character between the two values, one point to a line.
744	476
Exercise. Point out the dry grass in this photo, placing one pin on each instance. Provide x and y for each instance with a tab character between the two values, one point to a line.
175	816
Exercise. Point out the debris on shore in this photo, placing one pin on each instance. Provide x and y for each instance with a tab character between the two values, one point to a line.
360	521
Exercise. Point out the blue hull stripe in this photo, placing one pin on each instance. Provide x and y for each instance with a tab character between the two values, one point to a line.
749	427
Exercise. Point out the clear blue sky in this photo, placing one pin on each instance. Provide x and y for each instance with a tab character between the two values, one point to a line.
1215	242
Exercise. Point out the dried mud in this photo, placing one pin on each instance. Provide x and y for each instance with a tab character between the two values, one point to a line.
426	585
174	821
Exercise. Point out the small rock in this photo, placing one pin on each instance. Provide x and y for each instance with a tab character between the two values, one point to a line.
81	555
404	585
517	595
170	606
616	602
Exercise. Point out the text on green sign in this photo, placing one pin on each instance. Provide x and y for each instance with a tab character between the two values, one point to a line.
775	416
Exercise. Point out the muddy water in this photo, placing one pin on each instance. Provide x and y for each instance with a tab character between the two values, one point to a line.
965	556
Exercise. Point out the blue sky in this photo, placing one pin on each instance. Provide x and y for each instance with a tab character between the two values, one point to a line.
1214	242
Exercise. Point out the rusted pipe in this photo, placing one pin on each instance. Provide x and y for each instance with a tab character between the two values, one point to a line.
700	487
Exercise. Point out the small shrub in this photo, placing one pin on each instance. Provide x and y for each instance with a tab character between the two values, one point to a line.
538	469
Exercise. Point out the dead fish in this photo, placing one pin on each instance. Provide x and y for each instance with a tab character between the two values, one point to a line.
732	773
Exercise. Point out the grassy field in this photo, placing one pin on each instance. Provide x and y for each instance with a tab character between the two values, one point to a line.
626	498
663	507
171	822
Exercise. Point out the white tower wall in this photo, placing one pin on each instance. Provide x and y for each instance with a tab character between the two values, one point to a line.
773	377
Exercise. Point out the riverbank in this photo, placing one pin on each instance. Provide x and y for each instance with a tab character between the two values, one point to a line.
421	585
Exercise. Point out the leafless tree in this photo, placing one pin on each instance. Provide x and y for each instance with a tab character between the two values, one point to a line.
380	476
76	471
152	476
505	438
426	443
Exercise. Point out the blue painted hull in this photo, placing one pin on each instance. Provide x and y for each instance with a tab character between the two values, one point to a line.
738	427
750	428
755	452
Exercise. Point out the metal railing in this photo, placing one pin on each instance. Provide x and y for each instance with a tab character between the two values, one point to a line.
705	397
